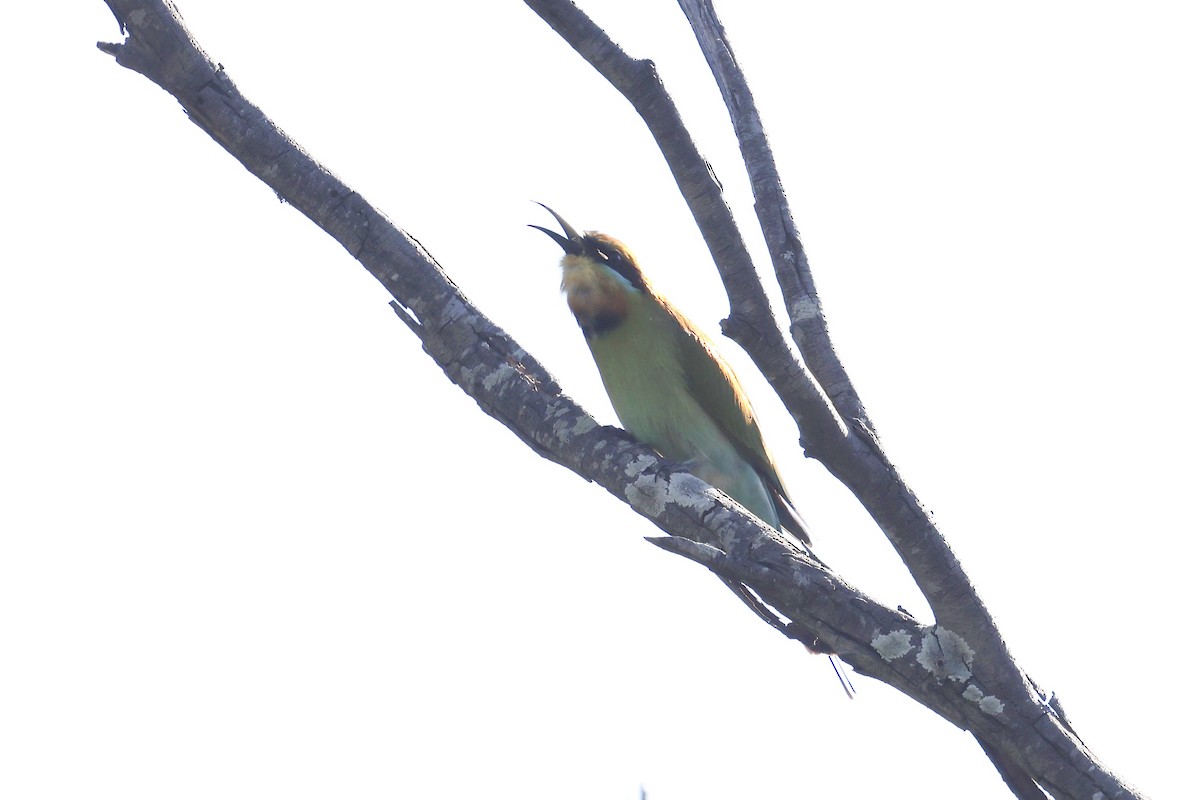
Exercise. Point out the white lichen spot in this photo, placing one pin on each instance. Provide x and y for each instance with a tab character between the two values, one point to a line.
690	492
946	655
605	456
991	705
648	495
495	376
639	464
1099	796
562	431
806	308
988	704
893	645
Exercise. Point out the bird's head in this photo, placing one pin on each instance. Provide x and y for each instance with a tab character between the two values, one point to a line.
601	278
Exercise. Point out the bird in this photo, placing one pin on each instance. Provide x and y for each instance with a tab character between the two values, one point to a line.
669	386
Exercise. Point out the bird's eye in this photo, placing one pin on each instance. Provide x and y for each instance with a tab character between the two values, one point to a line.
610	256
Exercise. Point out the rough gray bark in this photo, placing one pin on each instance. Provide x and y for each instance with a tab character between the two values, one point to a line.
959	666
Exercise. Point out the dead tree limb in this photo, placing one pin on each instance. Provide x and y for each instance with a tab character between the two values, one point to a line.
958	667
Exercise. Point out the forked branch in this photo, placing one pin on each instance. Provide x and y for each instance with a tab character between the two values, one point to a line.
938	665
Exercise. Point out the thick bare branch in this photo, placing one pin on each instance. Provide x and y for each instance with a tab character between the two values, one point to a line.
475	354
851	451
514	388
751	323
859	461
809	327
848	450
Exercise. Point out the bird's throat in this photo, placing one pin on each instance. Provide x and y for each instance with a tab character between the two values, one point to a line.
597	297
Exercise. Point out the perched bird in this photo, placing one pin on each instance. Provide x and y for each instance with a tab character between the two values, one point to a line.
669	386
666	381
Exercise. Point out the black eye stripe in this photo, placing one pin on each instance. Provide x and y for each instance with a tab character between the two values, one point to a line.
615	259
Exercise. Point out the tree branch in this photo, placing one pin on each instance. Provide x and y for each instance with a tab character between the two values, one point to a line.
809	328
848	449
931	664
752	324
837	432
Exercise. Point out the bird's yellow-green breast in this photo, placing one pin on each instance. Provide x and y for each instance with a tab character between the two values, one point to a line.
668	385
665	379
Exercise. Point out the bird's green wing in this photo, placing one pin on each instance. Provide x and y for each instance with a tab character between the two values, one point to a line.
716	389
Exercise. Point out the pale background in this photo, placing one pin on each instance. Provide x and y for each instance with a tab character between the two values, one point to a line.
254	544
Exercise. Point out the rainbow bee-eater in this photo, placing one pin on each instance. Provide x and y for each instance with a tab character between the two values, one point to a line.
667	383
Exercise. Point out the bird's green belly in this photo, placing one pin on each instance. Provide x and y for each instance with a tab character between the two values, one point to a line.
648	390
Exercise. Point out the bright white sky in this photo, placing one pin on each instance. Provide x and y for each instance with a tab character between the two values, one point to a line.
254	544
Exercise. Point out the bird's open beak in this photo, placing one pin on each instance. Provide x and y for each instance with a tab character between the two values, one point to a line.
572	242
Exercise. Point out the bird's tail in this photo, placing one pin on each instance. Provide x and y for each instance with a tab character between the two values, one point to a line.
844	678
752	601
